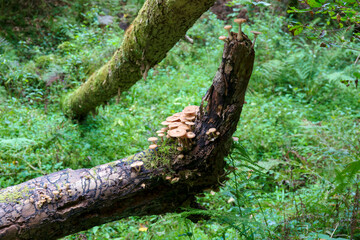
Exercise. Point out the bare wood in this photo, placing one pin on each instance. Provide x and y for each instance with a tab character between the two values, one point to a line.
69	201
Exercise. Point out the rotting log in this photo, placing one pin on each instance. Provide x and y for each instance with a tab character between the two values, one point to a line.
75	200
158	27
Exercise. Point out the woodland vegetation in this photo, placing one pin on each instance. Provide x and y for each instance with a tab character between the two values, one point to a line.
294	160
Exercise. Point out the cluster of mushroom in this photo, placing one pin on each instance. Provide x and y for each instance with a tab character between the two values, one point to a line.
212	134
239	35
179	127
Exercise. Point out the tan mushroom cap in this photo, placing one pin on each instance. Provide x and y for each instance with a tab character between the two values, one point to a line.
160	131
181	156
178	132
227	27
190	135
152	139
177	114
175	125
165	123
239	20
186	128
164	129
222	38
190	110
192	118
161	134
172	119
211	130
255	32
137	164
190	123
183	119
153	146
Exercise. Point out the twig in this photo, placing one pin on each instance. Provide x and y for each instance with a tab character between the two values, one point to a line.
189	39
357	59
332	234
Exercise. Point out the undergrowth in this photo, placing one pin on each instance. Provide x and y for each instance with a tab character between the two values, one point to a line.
298	177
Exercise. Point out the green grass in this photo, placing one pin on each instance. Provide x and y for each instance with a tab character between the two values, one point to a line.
300	128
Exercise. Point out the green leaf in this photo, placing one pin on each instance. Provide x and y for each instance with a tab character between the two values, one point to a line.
356	74
314	3
298	31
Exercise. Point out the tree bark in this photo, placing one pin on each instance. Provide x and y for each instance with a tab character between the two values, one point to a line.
157	28
83	198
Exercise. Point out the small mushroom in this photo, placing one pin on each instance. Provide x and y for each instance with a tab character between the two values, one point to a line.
161	135
174	180
165	123
212	131
191	118
191	110
190	124
174	125
177	133
173	119
190	135
227	28
153	147
222	38
153	139
183	118
137	166
240	21
179	157
184	126
255	36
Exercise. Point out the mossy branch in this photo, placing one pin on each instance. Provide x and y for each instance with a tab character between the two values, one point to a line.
158	27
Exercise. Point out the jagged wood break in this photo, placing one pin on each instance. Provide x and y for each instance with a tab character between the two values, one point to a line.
69	201
158	27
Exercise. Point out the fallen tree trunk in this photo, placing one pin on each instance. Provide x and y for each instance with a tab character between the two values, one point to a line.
158	27
69	201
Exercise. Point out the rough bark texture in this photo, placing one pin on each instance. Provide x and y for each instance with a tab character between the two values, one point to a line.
112	191
159	25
